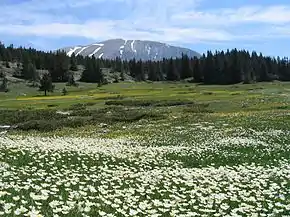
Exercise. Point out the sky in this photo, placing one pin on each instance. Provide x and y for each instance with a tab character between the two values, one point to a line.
260	25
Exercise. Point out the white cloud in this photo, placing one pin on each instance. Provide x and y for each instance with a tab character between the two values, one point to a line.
116	29
236	16
163	20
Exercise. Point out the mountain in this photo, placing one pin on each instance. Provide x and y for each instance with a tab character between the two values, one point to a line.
129	49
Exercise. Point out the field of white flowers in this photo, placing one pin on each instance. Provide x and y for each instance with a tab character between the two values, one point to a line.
199	169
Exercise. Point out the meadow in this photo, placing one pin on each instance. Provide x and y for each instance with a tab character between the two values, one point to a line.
146	149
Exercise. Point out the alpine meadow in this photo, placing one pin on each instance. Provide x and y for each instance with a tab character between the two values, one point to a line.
202	135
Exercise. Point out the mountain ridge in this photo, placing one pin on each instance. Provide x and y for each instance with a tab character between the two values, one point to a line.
130	49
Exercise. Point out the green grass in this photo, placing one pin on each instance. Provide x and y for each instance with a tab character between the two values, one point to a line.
87	93
88	104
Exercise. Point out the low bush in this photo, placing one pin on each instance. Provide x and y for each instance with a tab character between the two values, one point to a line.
50	120
12	117
282	107
78	106
207	93
119	114
51	125
147	103
197	108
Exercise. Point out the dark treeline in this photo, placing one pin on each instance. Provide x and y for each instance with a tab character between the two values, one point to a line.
228	67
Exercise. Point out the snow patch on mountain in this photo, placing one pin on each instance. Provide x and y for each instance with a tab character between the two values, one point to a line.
155	57
132	46
148	50
122	49
72	50
99	45
81	50
95	51
101	55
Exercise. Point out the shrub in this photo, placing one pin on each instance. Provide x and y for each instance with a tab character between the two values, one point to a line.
146	103
64	91
207	93
197	108
12	117
78	106
119	114
51	105
39	125
51	125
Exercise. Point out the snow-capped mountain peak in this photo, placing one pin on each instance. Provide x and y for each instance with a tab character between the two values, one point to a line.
129	49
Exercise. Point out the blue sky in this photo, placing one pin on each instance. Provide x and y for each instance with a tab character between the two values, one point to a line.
261	25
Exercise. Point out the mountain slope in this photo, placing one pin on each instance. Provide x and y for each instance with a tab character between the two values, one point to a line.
129	49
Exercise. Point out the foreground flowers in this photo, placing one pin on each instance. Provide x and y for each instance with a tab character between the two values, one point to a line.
165	176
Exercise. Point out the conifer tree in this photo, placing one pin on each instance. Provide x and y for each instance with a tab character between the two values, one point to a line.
92	72
71	80
152	72
4	85
172	72
186	70
7	64
60	67
140	74
46	84
122	75
73	63
34	74
197	73
64	91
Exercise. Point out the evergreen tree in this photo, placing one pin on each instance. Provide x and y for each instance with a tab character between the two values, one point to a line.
64	91
186	70
160	72
152	71
71	80
219	68
172	73
92	72
196	72
2	74
4	85
235	67
209	75
122	75
140	74
46	84
34	74
118	65
73	63
60	67
86	75
17	71
25	73
133	68
7	64
264	73
29	71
